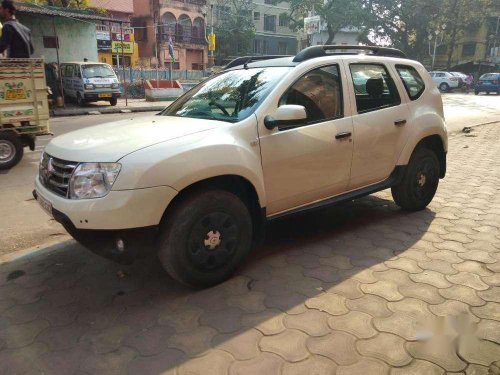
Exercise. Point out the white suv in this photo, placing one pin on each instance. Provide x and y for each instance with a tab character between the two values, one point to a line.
445	81
260	141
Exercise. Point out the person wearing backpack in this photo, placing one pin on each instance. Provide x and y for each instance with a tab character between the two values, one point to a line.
16	38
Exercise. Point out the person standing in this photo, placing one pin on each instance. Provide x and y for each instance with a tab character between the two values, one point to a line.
16	38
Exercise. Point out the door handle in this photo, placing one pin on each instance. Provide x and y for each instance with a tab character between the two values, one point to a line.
400	122
343	135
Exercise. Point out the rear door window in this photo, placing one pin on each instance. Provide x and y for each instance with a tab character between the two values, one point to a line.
413	82
374	87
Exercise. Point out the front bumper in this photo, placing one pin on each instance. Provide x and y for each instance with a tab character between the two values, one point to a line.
124	209
95	95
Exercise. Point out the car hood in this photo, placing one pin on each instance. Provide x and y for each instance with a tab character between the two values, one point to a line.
112	141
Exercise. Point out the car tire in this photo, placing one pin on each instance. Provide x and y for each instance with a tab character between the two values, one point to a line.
205	238
113	102
79	100
11	149
444	87
419	183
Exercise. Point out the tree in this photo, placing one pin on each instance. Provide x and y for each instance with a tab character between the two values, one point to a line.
337	14
234	28
79	4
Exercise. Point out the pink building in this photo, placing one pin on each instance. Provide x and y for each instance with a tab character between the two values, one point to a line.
181	20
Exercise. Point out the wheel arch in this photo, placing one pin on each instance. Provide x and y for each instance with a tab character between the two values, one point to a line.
433	142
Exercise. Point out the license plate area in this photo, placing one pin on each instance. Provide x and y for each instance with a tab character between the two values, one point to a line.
105	95
45	204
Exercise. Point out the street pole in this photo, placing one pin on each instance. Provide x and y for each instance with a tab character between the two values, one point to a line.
434	54
61	88
212	62
123	64
156	53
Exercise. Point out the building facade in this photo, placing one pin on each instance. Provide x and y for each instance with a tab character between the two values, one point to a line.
345	36
111	48
182	22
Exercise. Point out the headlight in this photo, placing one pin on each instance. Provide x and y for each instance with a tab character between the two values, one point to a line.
89	87
115	86
93	180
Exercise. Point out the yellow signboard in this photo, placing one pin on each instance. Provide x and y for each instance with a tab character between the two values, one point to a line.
15	94
211	42
128	47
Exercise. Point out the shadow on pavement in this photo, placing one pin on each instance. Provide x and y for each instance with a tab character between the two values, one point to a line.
66	310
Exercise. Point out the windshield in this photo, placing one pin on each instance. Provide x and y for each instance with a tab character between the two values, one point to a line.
97	71
231	96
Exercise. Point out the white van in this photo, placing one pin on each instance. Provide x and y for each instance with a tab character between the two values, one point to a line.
90	82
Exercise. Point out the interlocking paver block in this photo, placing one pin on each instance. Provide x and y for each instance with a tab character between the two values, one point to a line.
440	266
224	321
451	308
477	351
477	255
418	367
21	360
115	362
411	306
265	363
269	322
446	255
355	322
289	302
432	278
306	286
408	265
386	347
323	273
349	288
150	341
290	345
492	294
241	345
333	304
468	279
493	280
363	367
251	302
62	338
338	346
315	365
473	267
394	276
340	262
489	330
215	362
401	324
494	267
425	292
194	342
370	304
417	255
385	289
440	350
17	336
464	294
164	363
363	275
311	322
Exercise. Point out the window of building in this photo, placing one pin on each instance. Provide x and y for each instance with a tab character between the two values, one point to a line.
265	47
283	20
282	48
50	42
256	16
119	61
469	49
413	82
269	23
374	87
257	46
319	91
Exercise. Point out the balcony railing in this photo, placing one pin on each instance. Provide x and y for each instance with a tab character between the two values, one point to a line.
182	34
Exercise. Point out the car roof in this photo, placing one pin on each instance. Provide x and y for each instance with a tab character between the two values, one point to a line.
84	63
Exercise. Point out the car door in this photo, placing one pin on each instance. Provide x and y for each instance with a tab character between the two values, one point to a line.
306	162
379	123
68	80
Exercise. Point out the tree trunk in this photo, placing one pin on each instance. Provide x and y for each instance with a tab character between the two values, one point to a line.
453	36
331	35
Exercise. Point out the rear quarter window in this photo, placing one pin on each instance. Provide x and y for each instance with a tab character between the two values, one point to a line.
412	81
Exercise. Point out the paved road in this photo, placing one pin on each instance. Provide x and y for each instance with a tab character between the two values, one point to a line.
360	289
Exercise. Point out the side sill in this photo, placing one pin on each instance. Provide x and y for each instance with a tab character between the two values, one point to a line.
395	177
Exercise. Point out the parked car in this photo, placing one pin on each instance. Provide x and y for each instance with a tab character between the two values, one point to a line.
445	81
260	141
90	82
489	82
462	78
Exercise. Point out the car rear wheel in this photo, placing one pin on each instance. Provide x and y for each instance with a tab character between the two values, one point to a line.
444	87
11	149
79	100
205	238
113	101
420	181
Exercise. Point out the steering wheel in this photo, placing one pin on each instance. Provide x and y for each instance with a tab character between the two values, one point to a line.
220	107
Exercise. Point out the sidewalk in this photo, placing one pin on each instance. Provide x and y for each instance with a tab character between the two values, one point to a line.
134	105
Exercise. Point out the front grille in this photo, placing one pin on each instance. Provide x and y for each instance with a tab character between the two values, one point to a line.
55	174
103	86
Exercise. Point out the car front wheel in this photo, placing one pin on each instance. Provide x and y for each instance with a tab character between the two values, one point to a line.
420	181
444	87
205	237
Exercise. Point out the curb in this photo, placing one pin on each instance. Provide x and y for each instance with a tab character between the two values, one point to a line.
102	111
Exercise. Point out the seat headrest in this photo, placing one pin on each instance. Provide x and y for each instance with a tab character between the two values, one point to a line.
375	87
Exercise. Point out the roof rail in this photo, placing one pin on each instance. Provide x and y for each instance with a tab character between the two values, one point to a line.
247	59
320	51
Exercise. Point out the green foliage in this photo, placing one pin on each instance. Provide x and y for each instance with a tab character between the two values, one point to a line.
234	28
79	4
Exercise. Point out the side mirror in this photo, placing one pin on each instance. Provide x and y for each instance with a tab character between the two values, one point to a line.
288	115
